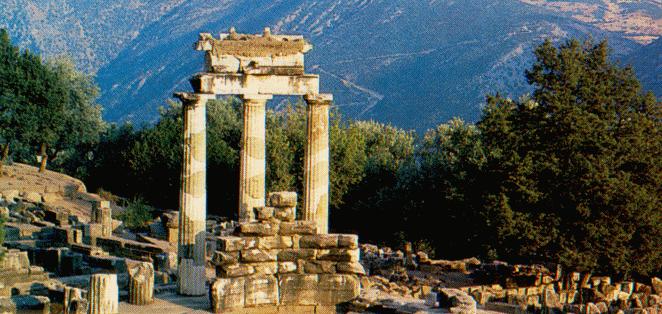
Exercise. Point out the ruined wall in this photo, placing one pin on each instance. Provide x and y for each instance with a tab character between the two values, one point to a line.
278	261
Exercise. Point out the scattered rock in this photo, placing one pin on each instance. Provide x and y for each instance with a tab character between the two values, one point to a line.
33	197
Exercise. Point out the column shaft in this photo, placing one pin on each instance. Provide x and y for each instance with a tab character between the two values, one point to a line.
316	162
253	151
103	294
193	198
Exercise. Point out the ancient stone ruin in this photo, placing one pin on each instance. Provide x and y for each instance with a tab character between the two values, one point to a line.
274	259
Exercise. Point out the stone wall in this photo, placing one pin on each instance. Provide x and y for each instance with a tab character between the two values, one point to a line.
279	261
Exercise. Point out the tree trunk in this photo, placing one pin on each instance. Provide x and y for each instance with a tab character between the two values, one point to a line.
44	158
5	154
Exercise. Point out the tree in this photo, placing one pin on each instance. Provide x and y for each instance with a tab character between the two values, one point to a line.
45	105
577	169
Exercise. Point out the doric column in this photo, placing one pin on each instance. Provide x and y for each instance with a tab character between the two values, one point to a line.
253	151
141	283
193	197
103	295
316	162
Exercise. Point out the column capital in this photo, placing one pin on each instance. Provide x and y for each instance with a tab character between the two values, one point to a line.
318	99
194	98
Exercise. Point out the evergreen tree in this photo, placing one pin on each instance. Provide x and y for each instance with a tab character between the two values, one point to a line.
577	169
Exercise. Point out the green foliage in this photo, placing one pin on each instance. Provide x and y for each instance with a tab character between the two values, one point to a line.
48	104
136	215
577	169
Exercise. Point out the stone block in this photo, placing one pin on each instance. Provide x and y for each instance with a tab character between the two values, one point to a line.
264	213
91	232
266	268
221	258
10	195
656	283
257	256
338	288
237	270
285	214
350	268
298	227
259	228
319	267
230	244
50	198
33	197
292	255
227	294
348	241
298	289
251	242
172	235
287	267
283	199
261	290
274	242
338	255
319	241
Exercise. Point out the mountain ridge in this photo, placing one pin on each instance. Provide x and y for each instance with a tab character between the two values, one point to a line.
412	64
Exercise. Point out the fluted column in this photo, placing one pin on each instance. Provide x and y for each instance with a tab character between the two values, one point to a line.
253	151
193	197
316	162
141	283
103	295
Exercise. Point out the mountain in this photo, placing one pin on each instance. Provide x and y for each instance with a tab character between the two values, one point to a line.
647	63
411	63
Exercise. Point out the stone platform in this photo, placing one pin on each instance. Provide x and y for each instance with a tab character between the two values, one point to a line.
278	262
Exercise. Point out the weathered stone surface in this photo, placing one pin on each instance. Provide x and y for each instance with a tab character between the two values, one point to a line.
10	195
657	285
338	255
51	198
33	197
348	241
350	268
319	241
264	213
77	306
258	228
298	289
298	227
230	244
266	268
283	199
191	277
319	267
285	214
141	283
257	255
221	258
338	288
274	242
261	290
291	255
456	301
103	294
237	270
226	294
287	267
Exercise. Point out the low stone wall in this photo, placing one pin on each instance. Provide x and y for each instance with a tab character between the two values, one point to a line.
278	261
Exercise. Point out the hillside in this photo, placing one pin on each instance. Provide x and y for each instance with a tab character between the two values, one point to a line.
647	62
383	60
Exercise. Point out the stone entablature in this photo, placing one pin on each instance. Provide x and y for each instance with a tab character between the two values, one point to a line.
280	261
254	54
